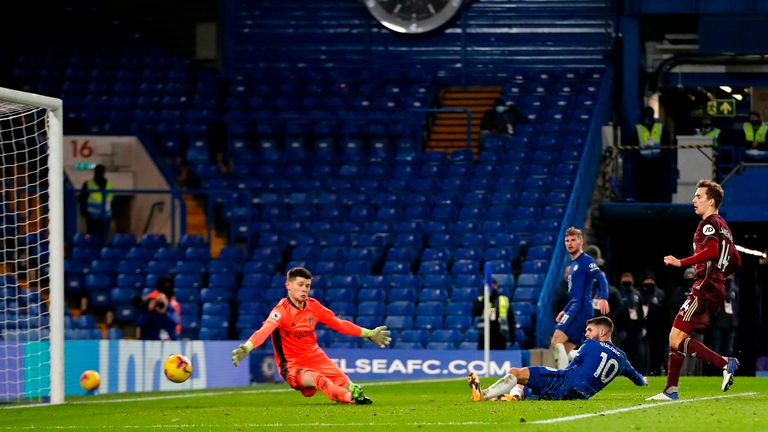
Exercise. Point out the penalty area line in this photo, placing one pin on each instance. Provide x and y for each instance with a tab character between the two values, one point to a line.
636	407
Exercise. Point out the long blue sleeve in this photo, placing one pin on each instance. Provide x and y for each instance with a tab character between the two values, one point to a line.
602	283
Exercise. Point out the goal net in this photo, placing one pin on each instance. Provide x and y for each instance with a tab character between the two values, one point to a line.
31	250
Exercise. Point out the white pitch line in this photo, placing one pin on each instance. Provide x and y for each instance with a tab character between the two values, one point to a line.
636	407
215	393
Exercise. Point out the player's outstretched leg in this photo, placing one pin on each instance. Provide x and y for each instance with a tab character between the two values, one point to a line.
358	396
728	371
334	392
501	387
474	387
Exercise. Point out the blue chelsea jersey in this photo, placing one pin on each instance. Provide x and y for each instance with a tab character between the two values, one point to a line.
581	275
596	365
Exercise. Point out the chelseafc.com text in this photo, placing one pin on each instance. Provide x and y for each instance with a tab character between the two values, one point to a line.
419	366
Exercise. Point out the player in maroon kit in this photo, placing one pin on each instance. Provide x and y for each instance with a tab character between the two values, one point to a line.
714	258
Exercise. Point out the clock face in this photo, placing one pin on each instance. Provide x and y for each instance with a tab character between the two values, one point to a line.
413	16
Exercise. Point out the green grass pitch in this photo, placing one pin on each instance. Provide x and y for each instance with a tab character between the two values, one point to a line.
424	405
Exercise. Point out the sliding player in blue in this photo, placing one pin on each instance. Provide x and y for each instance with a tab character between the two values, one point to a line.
597	363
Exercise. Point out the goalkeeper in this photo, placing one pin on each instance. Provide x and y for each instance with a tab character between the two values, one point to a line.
301	362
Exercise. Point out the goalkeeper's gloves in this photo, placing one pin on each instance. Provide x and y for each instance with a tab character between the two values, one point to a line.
241	352
379	336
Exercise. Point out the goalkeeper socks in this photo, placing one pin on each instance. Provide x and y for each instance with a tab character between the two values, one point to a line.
697	349
675	364
561	358
500	387
334	392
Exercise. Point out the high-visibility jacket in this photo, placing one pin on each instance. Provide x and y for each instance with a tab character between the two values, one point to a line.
714	133
751	136
646	138
501	313
99	200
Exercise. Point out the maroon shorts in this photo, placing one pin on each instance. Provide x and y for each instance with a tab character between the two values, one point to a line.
695	314
295	376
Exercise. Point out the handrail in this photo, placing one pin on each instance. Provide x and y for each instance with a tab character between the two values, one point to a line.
452	110
577	209
176	196
155	205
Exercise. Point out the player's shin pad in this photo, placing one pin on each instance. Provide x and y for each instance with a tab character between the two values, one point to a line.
500	387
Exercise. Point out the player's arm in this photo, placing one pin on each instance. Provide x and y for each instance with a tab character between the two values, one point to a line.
602	291
634	376
257	338
380	335
709	252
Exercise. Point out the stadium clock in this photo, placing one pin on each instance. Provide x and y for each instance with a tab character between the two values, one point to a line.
413	16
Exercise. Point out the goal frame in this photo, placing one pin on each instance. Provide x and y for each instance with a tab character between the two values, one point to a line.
55	132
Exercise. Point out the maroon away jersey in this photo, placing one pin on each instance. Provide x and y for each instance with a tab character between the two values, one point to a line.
711	274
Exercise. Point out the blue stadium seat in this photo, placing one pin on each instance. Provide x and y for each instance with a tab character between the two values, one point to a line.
340	294
123	296
465	267
430	308
345	309
531	279
153	241
374	282
452	336
128	266
130	280
187	294
256	280
396	267
432	267
436	280
370	308
215	309
369	321
98	282
432	294
370	295
468	280
186	280
123	240
459	307
399	322
215	295
226	281
523	294
428	322
499	266
535	266
400	307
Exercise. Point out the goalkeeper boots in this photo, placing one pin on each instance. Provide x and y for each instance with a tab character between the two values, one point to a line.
474	387
728	371
358	396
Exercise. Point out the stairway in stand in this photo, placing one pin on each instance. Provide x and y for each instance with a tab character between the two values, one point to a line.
448	131
197	224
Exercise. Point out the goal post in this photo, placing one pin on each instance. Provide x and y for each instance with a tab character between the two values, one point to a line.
32	288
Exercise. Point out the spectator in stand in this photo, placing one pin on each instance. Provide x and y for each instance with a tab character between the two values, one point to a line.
501	119
156	321
723	332
634	329
501	319
165	286
96	203
755	131
654	315
708	130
